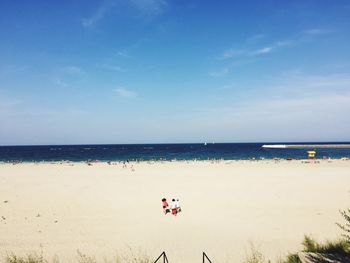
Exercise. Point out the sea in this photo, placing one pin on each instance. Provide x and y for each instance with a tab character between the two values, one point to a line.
145	152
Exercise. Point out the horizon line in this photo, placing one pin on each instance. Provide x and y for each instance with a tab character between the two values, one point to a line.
172	143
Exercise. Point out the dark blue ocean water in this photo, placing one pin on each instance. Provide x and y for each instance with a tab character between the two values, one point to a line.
114	152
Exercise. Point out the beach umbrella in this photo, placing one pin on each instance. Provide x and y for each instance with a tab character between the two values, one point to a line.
311	154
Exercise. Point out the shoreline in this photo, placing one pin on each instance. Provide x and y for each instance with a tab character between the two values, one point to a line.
113	162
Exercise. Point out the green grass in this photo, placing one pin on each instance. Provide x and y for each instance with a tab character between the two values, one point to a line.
130	257
340	246
291	258
254	255
345	227
31	258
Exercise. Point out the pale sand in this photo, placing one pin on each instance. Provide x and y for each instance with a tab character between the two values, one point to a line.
103	208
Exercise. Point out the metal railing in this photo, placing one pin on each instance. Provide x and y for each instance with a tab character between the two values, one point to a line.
163	255
205	257
165	258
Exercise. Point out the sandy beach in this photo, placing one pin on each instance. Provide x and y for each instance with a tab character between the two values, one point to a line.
101	209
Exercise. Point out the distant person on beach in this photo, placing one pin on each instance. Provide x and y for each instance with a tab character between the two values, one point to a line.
178	207
173	207
165	206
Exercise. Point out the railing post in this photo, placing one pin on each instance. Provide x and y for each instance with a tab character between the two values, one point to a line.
165	259
205	257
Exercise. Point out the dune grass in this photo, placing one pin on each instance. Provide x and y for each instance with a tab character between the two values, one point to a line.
30	258
345	227
339	247
254	255
131	256
291	258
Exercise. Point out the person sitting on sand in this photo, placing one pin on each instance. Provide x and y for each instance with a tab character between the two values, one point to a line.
173	207
177	204
165	206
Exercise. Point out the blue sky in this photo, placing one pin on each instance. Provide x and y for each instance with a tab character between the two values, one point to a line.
154	71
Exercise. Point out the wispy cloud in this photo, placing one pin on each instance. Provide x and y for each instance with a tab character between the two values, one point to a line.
59	82
239	53
123	54
145	7
150	7
295	85
279	119
225	87
261	51
299	86
318	31
305	104
8	102
68	75
97	16
72	70
256	37
11	69
112	67
231	53
123	92
328	83
219	73
283	43
303	36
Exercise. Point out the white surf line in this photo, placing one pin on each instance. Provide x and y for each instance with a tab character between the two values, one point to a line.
329	146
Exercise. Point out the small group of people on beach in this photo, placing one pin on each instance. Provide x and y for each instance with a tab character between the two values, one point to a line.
174	206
